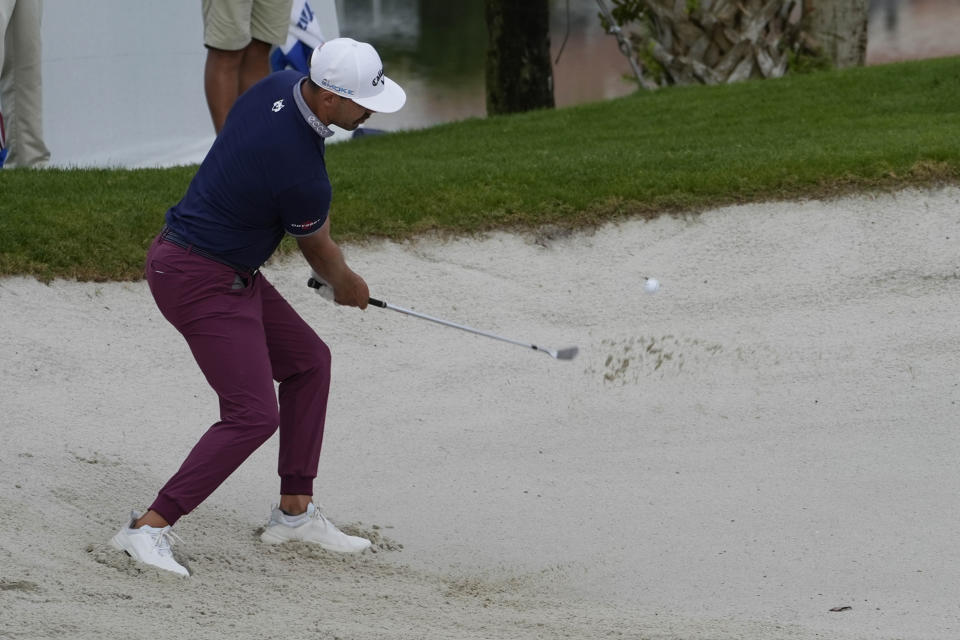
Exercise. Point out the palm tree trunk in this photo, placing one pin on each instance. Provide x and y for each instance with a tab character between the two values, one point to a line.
840	28
519	69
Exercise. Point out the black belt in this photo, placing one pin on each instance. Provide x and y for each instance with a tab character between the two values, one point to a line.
169	235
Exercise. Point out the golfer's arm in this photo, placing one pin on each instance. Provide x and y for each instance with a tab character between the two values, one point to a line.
323	254
326	259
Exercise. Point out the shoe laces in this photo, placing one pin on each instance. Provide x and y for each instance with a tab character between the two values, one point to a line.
164	539
316	514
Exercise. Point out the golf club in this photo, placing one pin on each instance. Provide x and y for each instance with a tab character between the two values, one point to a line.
562	354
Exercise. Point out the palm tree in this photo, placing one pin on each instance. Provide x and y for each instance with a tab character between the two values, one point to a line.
718	41
519	70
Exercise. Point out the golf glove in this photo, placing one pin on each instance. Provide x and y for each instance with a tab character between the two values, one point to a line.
324	290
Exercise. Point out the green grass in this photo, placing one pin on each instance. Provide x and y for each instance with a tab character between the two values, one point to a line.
683	149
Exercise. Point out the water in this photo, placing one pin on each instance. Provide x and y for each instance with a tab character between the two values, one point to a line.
912	30
436	49
123	81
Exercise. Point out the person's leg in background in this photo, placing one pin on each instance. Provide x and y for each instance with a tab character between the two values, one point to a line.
6	10
226	33
269	25
254	65
238	35
21	86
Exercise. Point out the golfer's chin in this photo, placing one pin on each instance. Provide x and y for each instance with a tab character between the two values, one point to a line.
352	126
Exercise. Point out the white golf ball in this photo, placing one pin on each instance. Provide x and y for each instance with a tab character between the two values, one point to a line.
652	285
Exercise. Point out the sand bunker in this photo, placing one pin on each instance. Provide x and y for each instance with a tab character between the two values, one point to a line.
771	436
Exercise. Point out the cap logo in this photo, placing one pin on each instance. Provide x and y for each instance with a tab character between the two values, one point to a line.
336	88
378	79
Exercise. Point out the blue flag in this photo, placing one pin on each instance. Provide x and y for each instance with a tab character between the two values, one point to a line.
303	37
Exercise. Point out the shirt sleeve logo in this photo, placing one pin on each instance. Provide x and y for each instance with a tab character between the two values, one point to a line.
278	105
305	225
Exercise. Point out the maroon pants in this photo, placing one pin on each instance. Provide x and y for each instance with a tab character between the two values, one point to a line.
244	335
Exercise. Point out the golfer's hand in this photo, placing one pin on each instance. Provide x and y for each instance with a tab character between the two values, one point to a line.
352	291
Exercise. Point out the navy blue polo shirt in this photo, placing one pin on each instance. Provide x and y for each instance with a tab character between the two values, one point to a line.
264	176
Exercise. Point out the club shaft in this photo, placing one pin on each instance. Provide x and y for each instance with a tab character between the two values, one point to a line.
447	323
563	354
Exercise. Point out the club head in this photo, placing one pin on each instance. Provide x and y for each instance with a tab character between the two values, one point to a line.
563	354
567	354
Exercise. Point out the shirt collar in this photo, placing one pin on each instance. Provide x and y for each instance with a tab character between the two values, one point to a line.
322	130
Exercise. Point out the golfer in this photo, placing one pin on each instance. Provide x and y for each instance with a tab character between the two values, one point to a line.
263	177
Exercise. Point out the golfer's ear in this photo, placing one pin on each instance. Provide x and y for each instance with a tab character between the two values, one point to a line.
328	99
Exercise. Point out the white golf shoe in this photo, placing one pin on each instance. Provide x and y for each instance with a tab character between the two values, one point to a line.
312	527
149	545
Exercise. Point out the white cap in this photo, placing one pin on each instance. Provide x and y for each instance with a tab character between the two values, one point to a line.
353	70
